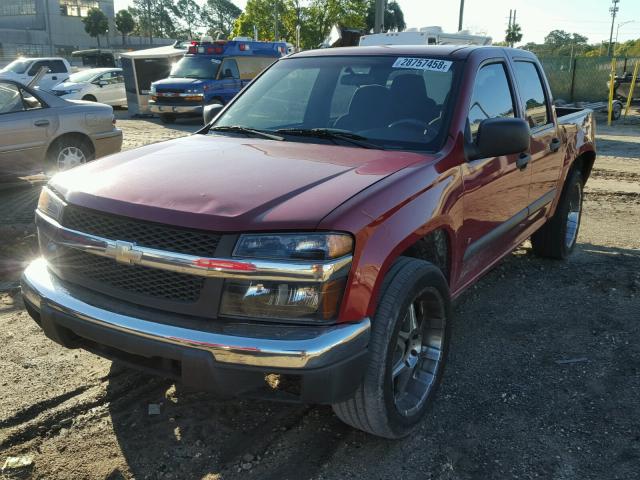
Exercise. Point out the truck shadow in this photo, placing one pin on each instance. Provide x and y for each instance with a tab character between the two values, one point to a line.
517	365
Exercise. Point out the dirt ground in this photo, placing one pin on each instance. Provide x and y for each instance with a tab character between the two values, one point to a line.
543	379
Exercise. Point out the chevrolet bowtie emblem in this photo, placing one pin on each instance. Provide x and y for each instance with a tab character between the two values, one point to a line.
125	252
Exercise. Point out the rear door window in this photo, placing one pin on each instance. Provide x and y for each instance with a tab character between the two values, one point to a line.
492	96
532	94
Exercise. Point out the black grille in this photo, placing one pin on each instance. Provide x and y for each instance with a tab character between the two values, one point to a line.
137	279
169	90
145	234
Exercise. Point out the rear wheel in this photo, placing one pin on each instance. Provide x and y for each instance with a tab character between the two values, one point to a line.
167	118
67	153
407	351
558	237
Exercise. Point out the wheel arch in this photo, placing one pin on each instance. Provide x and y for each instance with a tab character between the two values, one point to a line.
83	137
584	162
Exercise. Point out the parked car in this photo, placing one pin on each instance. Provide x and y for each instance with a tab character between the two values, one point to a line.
41	132
210	73
104	85
22	70
307	244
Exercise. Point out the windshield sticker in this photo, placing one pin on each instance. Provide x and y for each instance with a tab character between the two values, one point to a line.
423	64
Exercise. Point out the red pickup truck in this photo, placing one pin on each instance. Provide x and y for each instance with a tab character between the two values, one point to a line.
306	244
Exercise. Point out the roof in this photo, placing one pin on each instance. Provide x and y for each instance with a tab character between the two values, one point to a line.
458	52
158	52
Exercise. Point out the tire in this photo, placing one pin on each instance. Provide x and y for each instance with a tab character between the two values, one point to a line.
616	110
557	238
67	153
377	406
167	118
90	98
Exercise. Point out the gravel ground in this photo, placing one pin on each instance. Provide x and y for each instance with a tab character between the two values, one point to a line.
543	379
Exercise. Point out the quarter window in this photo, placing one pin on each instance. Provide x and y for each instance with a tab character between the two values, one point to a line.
532	94
492	97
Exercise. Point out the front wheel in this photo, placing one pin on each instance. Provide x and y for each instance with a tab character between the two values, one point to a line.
558	237
407	351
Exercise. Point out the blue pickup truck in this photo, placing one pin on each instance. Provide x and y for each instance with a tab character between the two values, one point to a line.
211	72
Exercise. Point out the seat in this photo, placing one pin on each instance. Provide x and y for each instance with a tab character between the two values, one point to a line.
409	99
368	109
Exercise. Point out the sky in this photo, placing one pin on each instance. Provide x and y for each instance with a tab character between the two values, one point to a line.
590	18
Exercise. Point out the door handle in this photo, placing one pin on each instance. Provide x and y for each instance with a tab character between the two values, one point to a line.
41	123
554	146
54	78
523	161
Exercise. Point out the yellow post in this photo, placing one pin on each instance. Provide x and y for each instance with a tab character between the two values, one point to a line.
611	80
633	84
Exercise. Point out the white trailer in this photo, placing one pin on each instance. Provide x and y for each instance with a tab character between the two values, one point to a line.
424	36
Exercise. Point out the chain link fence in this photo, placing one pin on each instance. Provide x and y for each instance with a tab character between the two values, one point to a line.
582	79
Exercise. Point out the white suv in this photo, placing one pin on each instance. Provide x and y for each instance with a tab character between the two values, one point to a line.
104	85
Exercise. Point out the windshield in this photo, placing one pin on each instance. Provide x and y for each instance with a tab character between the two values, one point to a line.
17	66
391	101
84	76
196	67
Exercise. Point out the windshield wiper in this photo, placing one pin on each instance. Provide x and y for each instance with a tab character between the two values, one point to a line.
246	131
331	134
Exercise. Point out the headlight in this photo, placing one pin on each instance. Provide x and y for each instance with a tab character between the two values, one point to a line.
288	300
303	246
50	204
194	90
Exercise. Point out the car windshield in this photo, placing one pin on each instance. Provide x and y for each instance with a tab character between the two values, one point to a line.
84	76
393	102
17	66
196	67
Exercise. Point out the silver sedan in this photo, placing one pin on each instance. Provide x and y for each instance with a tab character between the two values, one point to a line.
40	132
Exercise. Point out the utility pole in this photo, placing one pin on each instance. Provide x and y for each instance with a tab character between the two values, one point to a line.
378	27
461	15
614	10
275	19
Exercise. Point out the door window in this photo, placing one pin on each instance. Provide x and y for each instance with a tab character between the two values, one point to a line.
29	101
230	69
532	94
492	97
10	98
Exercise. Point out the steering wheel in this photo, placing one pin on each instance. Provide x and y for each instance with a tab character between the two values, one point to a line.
410	122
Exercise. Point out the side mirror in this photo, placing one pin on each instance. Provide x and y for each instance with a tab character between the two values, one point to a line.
499	136
211	111
103	83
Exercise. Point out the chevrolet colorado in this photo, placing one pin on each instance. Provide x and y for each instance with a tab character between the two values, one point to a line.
306	244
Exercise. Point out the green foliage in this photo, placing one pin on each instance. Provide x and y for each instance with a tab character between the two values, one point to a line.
630	48
156	17
316	18
561	43
220	17
393	17
191	15
514	34
125	23
96	23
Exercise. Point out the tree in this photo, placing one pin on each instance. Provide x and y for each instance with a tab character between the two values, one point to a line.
514	34
190	14
220	17
96	23
125	24
393	17
156	17
561	43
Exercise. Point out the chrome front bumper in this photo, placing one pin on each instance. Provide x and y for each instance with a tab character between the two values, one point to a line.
260	345
176	109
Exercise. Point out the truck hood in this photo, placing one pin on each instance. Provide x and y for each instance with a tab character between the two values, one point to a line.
179	82
223	183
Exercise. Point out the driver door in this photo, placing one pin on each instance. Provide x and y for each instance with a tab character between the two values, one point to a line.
496	190
229	77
